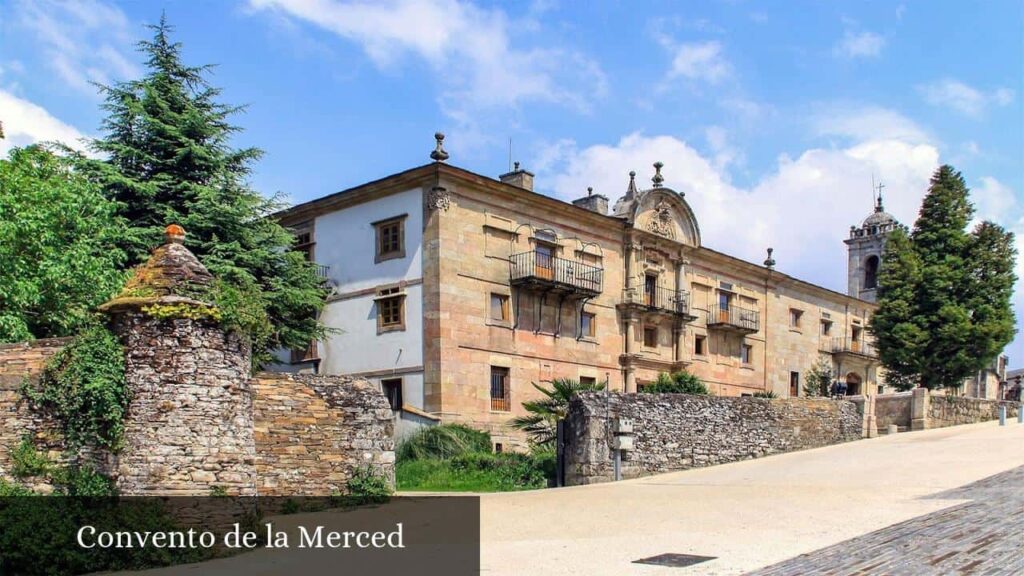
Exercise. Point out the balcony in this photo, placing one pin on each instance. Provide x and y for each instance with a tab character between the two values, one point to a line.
854	346
734	319
660	299
549	273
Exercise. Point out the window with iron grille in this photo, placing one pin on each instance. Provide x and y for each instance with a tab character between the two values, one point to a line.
746	351
500	396
794	384
390	238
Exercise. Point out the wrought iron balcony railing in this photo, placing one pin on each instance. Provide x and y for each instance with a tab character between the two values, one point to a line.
667	299
322	271
734	318
843	345
550	271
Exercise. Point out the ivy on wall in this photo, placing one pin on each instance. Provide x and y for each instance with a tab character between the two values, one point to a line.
83	386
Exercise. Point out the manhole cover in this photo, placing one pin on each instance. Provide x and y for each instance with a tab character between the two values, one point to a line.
674	560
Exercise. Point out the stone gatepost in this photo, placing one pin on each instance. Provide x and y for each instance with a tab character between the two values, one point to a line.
919	408
189	426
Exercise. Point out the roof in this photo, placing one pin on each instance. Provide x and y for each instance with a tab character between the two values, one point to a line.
326	203
172	275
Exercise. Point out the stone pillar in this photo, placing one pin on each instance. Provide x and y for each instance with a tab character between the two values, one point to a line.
629	385
189	425
870	419
919	409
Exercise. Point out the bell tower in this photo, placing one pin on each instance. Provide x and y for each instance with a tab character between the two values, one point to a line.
865	246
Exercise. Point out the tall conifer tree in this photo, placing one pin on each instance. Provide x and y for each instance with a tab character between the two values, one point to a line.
944	294
169	159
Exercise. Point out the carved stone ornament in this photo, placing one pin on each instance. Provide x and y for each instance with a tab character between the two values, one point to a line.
661	221
439	199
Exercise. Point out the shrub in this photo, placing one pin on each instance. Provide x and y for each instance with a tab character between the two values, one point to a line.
27	461
678	383
367	486
82	481
444	441
765	394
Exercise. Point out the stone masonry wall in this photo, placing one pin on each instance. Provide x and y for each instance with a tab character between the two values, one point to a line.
677	431
313	432
893	409
945	411
189	427
17	421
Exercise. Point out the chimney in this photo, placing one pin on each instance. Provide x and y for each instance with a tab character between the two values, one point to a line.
593	202
518	177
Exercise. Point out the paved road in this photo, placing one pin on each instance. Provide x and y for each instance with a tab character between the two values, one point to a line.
985	536
898	496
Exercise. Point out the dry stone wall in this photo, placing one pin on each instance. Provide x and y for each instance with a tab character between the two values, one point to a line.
189	427
314	432
955	410
678	431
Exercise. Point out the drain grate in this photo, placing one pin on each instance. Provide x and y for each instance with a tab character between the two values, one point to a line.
674	560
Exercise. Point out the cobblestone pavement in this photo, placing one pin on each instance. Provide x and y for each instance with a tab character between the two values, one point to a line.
982	537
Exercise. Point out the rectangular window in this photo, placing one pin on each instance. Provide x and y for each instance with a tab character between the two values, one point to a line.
498	448
826	327
650	288
794	384
650	336
699	345
724	298
588	380
588	325
390	310
500	397
390	239
392	389
746	351
794	317
499	307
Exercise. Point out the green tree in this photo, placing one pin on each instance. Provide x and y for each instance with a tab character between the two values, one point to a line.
818	379
681	382
169	159
58	246
544	414
944	294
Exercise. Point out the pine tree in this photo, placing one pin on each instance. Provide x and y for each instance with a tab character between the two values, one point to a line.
169	159
944	294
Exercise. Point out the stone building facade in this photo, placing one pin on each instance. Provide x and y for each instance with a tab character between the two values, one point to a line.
455	292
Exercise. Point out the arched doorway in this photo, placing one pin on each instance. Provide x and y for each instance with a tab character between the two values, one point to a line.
853	384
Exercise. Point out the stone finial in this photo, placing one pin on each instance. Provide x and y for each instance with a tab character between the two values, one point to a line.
769	262
515	166
658	179
439	155
631	189
174	234
590	190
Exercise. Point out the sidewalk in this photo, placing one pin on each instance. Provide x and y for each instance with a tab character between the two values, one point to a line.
748	514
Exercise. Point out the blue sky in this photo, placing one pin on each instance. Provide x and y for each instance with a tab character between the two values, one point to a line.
772	117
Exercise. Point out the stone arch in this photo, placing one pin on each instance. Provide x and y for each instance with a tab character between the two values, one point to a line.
871	264
854	384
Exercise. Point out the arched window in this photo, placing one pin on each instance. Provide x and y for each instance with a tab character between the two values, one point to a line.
871	272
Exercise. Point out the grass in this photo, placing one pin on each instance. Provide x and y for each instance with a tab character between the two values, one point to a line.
453	458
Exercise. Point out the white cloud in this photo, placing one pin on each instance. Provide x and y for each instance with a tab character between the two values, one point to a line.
803	208
993	200
85	41
699	61
866	123
468	47
27	123
965	99
859	45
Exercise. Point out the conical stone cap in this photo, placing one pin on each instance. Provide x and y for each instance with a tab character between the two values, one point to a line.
172	275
